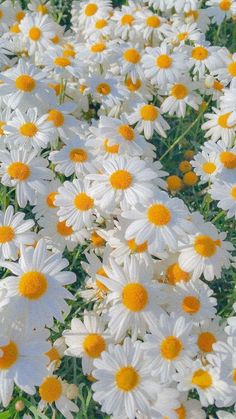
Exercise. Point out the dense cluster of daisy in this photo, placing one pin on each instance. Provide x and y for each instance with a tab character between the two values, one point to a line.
78	111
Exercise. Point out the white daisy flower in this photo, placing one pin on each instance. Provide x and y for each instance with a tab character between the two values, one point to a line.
124	21
37	31
218	127
65	125
208	333
45	200
149	119
60	63
226	68
129	58
227	160
206	165
42	7
37	294
94	289
90	11
220	10
202	57
106	90
225	193
151	26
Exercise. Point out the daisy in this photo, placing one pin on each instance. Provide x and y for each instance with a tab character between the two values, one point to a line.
14	231
56	352
95	55
220	9
206	165
161	222
226	156
45	200
201	57
162	66
25	171
95	290
124	21
29	130
37	30
87	339
90	11
225	193
123	380
76	205
134	299
36	293
42	7
151	26
169	272
62	65
22	360
208	333
129	58
101	28
65	125
218	126
106	90
170	346
122	183
148	119
179	34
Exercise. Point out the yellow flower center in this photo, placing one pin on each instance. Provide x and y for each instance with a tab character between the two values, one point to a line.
50	389
182	36
9	355
42	9
34	33
228	159
232	69
53	354
193	14
159	215
113	149
94	345
121	179
78	155
18	171
132	56
181	412
191	304
185	166
205	246
174	183
97	240
137	248
133	87
190	179
164	61
127	378
99	284
62	61
99	47
127	20
225	5
1	14
218	86
233	192
83	202
68	53
28	129
170	347
6	234
15	28
56	117
179	91
103	89
32	285
175	274
63	229
202	379
153	21
205	341
223	120
25	83
149	113
209	167
234	375
20	15
200	53
90	9
126	132
50	199
101	23
134	296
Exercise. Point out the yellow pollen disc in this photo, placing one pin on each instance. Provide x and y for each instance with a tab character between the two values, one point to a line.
209	167
133	87
99	47
218	86
234	375
132	56
55	39
56	117
190	179
20	15
134	296
223	120
149	113
205	246
159	215
170	347
164	61
153	21
18	171
82	88
15	28
200	53
228	159
42	9
50	199
68	53
174	183
175	274
53	354
97	240
32	285
103	89
127	378
63	229
193	14
182	36
137	248
90	9
225	5
121	179
6	234
25	83
189	154
78	155
126	132
56	87
99	284
232	69
179	91
1	14
50	389
9	355
34	33
191	304
181	412
127	20
233	192
202	379
101	23
205	341
62	61
83	202
94	345
28	129
185	166
113	149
